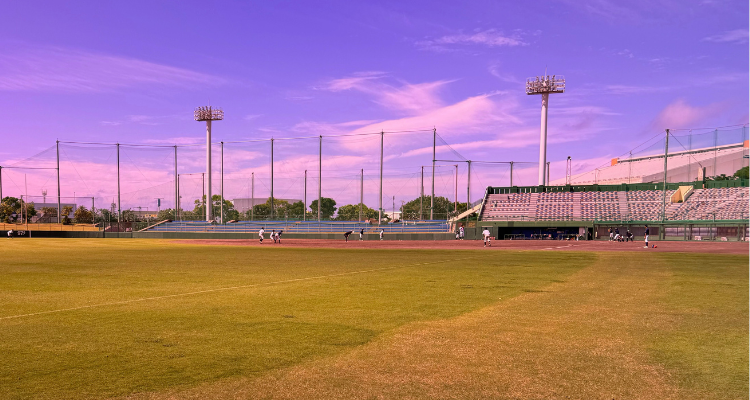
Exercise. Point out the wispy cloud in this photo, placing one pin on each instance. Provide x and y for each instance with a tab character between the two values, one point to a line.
62	69
487	38
405	97
680	114
735	36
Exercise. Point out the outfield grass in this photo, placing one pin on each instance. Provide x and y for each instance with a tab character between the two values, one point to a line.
153	319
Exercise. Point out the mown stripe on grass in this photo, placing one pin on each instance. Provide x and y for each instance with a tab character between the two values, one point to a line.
222	289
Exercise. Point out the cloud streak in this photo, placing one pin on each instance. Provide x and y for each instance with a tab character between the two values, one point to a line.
62	69
735	36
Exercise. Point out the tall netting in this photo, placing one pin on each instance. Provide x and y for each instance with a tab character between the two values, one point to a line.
151	183
693	154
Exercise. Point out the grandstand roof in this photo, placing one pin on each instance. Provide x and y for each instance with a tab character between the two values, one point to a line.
682	166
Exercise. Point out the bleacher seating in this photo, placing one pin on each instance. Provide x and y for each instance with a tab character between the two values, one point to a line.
635	205
714	203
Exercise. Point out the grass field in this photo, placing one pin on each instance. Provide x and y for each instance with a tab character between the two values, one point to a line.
148	319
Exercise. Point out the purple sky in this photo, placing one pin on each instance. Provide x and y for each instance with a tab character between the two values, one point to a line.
134	71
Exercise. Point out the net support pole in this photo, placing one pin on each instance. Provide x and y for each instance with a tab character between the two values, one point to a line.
178	199
664	190
176	185
380	197
119	205
304	199
511	174
1	183
432	196
207	184
252	196
716	144
221	186
468	186
271	179
455	194
59	208
93	210
690	157
421	195
361	192
320	174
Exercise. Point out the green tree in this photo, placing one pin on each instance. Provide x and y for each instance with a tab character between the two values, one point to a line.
296	210
742	173
83	216
66	214
327	208
444	209
10	209
167	213
350	212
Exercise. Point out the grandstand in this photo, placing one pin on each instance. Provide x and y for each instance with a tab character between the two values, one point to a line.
594	203
683	166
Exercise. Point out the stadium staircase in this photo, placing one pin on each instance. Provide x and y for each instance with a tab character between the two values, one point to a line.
577	206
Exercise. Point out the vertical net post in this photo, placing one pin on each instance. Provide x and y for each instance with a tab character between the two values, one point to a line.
271	180
119	208
59	208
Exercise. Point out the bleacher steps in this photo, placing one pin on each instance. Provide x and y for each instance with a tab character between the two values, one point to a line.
576	206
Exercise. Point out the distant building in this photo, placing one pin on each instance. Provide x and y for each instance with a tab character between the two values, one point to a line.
245	204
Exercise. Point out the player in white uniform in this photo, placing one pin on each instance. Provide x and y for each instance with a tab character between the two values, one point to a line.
486	234
260	234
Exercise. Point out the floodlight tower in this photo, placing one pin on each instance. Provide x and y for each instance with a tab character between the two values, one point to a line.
544	85
208	114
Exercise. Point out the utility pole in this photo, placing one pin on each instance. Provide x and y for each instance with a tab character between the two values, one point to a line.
208	114
1	184
304	200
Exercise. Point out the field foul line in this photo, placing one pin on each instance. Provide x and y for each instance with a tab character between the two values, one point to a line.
230	288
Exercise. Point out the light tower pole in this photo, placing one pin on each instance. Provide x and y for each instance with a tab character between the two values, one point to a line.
544	85
208	114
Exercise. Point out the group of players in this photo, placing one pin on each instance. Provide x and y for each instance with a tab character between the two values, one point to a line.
276	236
615	236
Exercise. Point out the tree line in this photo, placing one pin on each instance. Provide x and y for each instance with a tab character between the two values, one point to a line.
11	211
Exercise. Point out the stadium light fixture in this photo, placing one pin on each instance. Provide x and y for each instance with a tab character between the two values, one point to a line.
208	114
544	85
